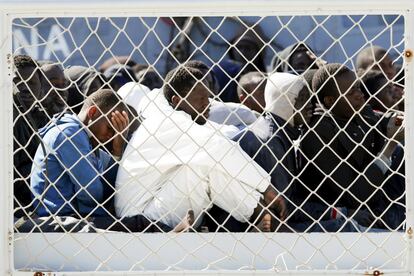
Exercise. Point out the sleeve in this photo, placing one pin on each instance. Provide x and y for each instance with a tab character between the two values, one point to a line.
266	155
83	167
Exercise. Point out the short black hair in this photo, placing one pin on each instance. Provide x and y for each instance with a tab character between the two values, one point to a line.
371	82
180	81
198	64
324	83
252	78
105	99
21	61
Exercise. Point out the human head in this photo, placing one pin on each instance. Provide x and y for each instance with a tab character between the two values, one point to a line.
27	80
83	81
54	85
208	73
96	114
116	60
119	74
377	90
376	58
337	88
185	90
248	48
251	91
149	77
295	58
287	96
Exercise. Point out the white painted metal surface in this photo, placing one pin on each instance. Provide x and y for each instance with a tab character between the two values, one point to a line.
49	249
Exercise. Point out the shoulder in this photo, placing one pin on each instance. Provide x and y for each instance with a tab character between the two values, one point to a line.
67	132
323	125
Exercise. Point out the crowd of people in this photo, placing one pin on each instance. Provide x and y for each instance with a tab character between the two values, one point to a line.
308	146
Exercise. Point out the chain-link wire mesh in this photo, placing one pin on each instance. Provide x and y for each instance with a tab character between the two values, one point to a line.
209	143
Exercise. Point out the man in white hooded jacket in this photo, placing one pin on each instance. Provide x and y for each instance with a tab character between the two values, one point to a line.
173	164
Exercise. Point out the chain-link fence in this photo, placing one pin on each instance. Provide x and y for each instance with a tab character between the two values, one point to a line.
239	143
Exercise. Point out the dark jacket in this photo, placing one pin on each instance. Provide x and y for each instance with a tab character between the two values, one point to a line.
25	143
275	154
343	173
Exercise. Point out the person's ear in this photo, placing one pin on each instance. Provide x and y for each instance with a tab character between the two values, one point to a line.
175	100
329	101
92	111
242	97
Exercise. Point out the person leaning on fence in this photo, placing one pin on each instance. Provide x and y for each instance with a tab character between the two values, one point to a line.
67	177
346	158
28	116
174	163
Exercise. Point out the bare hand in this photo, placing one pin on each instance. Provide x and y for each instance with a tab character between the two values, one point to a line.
120	122
276	202
395	128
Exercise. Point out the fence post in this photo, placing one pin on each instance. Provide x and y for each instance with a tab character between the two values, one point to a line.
6	145
409	134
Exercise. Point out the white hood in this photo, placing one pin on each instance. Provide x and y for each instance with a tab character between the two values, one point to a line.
281	92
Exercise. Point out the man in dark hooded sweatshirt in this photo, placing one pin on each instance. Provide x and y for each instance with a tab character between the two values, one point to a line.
347	157
28	116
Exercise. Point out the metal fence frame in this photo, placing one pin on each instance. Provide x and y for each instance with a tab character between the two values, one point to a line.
11	9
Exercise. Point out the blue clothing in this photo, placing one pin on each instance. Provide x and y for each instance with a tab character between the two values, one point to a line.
67	180
223	73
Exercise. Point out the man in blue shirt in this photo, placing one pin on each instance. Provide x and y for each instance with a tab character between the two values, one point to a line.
66	173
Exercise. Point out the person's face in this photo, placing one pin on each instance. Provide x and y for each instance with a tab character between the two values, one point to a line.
254	97
196	103
27	81
247	49
303	108
386	65
300	61
59	86
100	126
385	96
351	98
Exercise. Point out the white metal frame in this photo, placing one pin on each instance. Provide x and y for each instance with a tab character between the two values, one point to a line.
67	8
